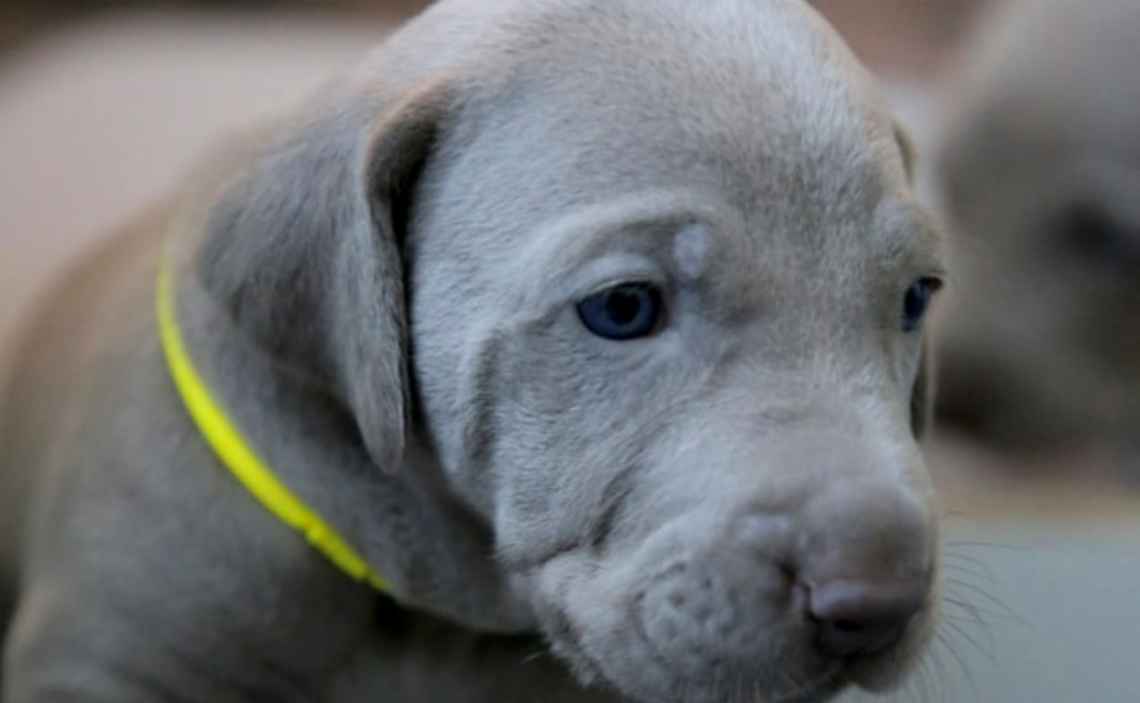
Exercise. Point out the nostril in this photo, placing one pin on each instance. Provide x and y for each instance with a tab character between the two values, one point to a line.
855	618
847	625
847	639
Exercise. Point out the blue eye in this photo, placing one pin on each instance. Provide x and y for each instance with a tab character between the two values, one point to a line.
916	301
623	312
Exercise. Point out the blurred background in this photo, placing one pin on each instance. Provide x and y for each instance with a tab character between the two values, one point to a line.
1026	114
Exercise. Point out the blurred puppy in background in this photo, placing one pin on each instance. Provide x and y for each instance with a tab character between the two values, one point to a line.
1040	175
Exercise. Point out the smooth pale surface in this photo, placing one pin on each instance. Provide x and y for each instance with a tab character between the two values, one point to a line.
99	122
1059	621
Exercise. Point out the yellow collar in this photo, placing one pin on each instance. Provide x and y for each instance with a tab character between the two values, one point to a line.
235	453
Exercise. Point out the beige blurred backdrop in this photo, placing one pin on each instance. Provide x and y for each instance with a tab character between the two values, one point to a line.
104	105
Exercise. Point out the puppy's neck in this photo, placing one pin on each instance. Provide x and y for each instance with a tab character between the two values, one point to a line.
434	555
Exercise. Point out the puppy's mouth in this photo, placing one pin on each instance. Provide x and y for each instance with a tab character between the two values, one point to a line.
622	656
821	687
656	677
708	607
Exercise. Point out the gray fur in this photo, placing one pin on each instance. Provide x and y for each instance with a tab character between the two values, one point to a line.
382	292
1040	172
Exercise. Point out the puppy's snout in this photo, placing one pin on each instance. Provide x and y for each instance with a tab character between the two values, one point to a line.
866	563
864	617
866	527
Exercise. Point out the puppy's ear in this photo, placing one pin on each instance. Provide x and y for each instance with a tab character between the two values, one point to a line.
373	310
922	394
305	251
909	151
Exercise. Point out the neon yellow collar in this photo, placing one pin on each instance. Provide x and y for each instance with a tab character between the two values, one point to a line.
235	453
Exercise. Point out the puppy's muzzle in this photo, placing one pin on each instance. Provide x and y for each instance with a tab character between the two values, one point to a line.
813	582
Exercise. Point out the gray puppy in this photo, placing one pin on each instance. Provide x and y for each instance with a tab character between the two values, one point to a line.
1040	171
588	326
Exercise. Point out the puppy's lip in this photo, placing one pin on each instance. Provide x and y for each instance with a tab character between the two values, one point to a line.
834	679
568	642
831	676
830	682
884	671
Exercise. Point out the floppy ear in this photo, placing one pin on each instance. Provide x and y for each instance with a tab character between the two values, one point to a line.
304	250
922	394
909	151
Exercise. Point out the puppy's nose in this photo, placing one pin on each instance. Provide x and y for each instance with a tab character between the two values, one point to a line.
856	617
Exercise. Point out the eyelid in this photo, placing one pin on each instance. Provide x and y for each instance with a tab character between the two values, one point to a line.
608	272
935	282
569	287
622	280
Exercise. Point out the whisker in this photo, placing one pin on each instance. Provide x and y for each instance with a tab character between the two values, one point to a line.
990	598
923	683
936	689
936	684
918	682
974	612
978	613
962	632
533	657
962	664
990	545
967	572
938	666
964	561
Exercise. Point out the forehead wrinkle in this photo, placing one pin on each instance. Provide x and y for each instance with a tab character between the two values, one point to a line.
908	234
562	245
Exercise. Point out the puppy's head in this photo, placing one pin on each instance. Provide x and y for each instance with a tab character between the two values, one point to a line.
1041	176
666	288
661	284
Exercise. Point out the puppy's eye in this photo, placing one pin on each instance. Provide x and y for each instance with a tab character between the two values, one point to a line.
625	311
917	300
